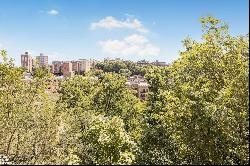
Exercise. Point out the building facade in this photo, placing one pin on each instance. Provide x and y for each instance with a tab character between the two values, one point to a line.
67	69
139	84
42	60
57	67
143	63
84	65
76	67
142	90
158	63
27	61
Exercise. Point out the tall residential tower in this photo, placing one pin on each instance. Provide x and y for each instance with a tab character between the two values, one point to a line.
42	60
27	61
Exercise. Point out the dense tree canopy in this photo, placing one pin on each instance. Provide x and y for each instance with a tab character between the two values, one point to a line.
197	111
125	68
201	100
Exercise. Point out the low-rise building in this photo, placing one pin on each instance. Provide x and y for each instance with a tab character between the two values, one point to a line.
57	67
158	63
139	84
143	63
142	90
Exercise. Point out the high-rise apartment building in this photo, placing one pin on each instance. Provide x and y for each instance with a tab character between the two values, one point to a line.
76	67
67	69
27	61
42	60
85	65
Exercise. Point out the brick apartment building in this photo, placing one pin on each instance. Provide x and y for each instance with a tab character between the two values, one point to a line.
84	65
76	67
67	69
70	68
27	61
42	60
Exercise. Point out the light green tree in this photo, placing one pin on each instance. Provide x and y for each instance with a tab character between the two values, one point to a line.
203	105
28	126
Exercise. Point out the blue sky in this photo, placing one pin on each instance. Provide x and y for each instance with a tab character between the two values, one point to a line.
127	29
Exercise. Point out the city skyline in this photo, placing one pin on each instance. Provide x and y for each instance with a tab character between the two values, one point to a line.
67	30
82	58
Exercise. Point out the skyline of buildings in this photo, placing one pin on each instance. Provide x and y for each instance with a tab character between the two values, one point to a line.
71	67
28	62
78	67
65	68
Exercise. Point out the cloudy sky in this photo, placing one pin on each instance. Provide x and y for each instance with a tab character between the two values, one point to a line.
127	29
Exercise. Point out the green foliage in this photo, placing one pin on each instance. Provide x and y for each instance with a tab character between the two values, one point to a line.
109	141
125	68
203	101
28	122
42	72
107	95
78	91
196	112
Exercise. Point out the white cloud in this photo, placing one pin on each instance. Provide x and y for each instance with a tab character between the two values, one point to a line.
53	12
112	23
131	45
